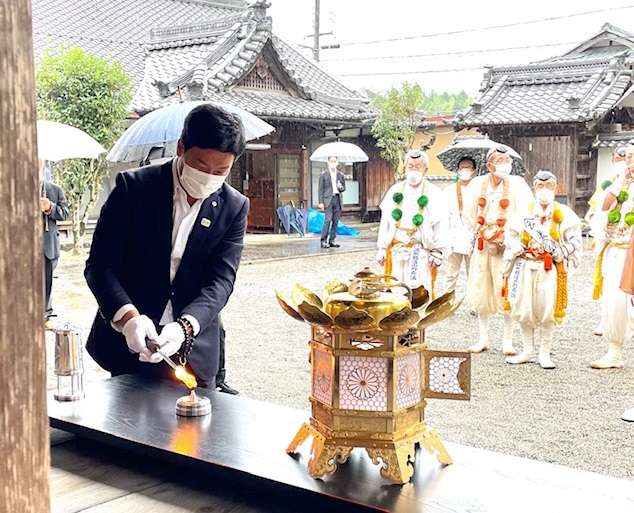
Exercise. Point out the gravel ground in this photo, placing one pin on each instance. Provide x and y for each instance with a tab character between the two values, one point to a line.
569	416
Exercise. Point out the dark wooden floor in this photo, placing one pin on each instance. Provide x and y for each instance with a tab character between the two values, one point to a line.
132	453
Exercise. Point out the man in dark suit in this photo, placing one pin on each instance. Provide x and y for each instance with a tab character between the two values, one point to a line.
54	208
165	253
332	183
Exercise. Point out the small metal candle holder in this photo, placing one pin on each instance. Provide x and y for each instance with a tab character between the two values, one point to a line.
69	365
189	405
193	405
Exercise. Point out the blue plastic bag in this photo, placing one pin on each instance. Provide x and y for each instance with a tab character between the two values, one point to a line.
316	222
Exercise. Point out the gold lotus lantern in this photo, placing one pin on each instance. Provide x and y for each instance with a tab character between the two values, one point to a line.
371	372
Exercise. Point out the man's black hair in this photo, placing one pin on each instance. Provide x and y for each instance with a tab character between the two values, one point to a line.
210	127
469	159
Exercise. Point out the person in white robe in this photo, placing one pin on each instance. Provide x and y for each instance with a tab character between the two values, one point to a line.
413	229
489	201
543	245
612	226
460	239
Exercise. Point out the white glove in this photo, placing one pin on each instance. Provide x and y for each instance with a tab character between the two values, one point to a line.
171	339
435	257
558	254
136	330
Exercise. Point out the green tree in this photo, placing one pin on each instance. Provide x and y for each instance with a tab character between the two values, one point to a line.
397	118
92	94
439	104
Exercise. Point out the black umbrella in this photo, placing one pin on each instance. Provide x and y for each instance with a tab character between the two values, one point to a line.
476	148
298	219
284	213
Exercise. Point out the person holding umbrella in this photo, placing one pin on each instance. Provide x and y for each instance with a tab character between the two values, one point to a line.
413	231
489	200
165	253
54	208
331	185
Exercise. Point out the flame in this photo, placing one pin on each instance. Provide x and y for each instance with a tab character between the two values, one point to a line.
186	377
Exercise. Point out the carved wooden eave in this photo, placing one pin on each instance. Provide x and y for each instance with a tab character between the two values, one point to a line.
268	67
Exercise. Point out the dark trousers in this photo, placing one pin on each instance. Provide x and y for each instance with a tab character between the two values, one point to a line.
222	372
49	267
332	212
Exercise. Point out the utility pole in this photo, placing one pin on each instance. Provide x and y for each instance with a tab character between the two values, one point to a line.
315	47
316	32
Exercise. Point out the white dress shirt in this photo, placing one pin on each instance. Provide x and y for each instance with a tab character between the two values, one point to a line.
183	219
333	181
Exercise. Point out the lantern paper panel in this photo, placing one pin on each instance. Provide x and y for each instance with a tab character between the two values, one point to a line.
447	375
363	383
323	377
408	381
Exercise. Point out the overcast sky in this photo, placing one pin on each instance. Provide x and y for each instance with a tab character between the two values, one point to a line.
469	41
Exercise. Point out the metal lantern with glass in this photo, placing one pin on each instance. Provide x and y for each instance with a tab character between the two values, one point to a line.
371	372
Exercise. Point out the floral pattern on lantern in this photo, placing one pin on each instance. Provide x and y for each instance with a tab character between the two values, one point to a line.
363	383
408	381
322	377
443	375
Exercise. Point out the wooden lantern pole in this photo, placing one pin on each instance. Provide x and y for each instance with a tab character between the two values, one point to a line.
24	433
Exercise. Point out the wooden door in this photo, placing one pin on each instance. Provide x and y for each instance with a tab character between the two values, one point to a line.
289	178
260	188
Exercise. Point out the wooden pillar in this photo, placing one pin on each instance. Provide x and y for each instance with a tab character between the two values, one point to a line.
24	433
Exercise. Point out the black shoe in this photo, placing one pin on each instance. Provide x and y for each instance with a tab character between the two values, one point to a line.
334	245
324	245
223	387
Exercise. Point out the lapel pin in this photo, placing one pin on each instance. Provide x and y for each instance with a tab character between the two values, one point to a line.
214	203
205	222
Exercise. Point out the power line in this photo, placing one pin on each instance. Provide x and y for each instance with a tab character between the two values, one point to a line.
490	50
462	31
422	72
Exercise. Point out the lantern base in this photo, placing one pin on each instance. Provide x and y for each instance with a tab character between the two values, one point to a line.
395	456
68	394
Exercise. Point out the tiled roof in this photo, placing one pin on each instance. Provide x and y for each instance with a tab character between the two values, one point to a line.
311	77
208	61
612	140
208	48
116	28
278	106
579	86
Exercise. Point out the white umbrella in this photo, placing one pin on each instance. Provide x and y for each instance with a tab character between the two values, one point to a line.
58	141
162	127
476	147
345	152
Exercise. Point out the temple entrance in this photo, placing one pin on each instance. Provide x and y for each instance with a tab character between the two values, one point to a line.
273	178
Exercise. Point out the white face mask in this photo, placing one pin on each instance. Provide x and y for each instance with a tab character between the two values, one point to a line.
503	170
197	184
413	177
465	174
545	196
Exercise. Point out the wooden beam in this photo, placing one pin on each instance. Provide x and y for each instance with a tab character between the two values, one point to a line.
24	436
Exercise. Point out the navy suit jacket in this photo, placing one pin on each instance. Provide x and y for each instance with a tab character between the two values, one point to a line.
129	262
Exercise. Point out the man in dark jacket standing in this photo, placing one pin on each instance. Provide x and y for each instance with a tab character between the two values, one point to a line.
165	254
54	208
332	183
